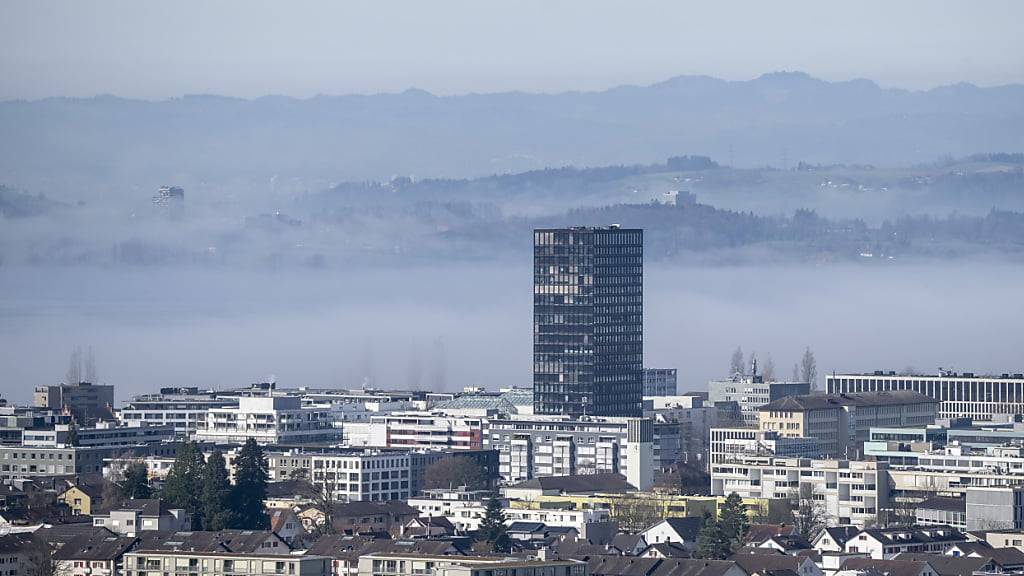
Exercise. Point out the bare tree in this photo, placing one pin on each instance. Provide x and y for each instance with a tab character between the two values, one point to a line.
736	363
809	368
322	495
74	375
768	368
809	515
635	514
90	366
796	372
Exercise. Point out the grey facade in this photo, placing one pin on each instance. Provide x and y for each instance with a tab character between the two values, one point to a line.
86	402
960	395
660	382
588	321
752	392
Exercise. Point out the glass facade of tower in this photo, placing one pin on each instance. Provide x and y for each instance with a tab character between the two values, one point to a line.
588	321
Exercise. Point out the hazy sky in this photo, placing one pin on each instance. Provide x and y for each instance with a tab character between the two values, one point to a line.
249	48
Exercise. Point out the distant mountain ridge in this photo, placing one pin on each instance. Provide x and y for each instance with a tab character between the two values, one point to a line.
775	119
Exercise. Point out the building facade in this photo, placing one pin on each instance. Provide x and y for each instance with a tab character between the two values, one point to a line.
660	381
588	321
86	402
269	420
960	395
751	392
530	447
184	408
429	430
848	492
730	444
842	422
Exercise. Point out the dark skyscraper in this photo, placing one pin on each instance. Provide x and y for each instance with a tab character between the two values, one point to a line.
588	324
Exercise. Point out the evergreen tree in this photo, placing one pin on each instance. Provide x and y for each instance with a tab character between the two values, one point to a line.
73	434
216	492
492	528
250	489
183	485
711	541
136	481
733	520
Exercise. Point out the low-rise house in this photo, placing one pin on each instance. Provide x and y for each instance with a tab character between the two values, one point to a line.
834	539
286	524
263	542
665	550
386	517
628	566
428	527
82	497
790	544
888	567
1003	560
139	515
761	564
91	555
630	544
886	543
944	565
682	531
345	550
527	531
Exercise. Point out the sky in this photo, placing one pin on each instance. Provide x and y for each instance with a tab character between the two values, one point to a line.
246	48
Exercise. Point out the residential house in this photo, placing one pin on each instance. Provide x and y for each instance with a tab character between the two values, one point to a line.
84	498
92	554
886	543
286	524
833	539
682	531
138	515
762	564
628	566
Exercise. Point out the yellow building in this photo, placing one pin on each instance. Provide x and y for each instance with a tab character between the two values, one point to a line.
82	499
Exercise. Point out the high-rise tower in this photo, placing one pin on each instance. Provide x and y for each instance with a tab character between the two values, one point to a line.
588	322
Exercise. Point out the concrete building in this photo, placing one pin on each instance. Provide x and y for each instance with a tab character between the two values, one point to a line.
849	492
681	427
981	508
32	462
268	419
961	395
462	507
842	422
730	444
588	321
103	434
184	408
660	382
85	401
534	446
751	392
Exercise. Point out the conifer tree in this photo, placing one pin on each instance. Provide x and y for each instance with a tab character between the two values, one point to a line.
136	481
216	492
250	489
183	485
492	528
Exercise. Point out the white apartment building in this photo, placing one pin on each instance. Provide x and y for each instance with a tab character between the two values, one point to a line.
222	563
463	508
183	408
729	444
961	395
849	492
268	419
102	434
427	430
534	446
568	518
362	475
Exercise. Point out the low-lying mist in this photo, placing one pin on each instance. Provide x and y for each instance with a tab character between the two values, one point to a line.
450	326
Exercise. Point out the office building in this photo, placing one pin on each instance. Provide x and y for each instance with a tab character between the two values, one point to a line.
660	382
103	434
588	322
981	508
842	422
534	446
750	392
47	461
86	402
960	395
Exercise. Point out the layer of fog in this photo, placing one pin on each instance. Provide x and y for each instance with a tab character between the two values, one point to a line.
463	325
